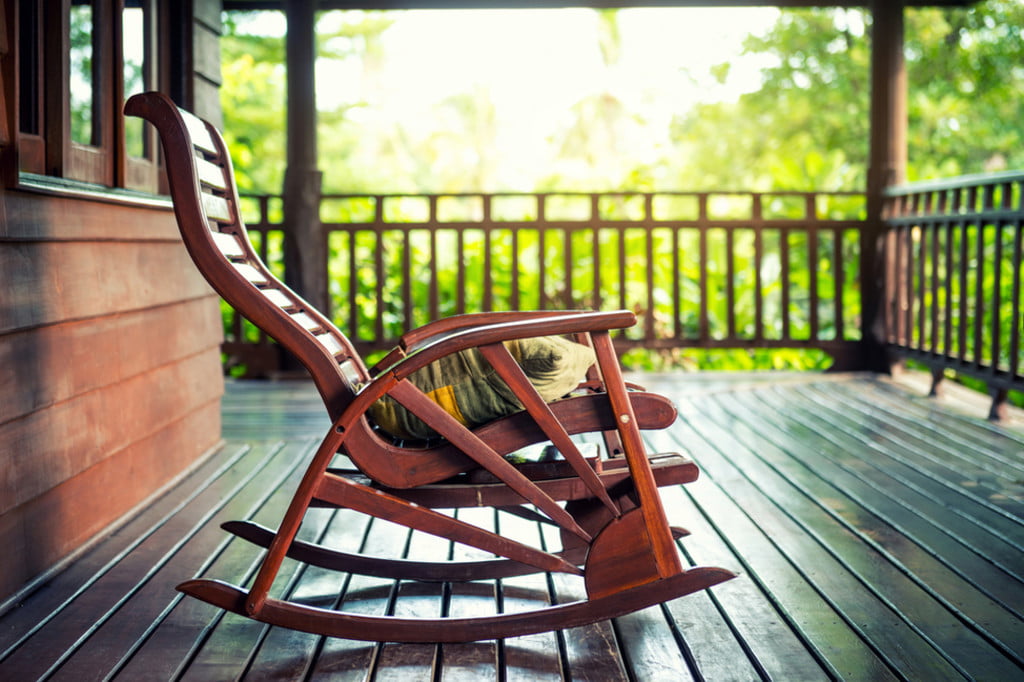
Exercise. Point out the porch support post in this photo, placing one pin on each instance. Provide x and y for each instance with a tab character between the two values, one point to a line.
887	164
305	246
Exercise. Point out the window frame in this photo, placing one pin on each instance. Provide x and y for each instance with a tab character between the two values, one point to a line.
51	152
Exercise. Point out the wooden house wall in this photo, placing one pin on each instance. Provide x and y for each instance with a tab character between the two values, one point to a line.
110	374
109	371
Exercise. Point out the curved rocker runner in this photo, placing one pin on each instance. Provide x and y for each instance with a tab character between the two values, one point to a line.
545	376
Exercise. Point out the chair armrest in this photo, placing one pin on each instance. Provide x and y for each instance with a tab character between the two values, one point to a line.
415	339
518	326
423	335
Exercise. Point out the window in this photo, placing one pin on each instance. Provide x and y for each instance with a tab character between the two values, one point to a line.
138	50
78	60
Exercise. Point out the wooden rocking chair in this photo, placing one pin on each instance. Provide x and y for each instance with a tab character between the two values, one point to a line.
613	527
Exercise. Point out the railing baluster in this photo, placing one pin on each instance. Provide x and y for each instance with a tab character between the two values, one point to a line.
434	298
677	302
730	283
407	277
542	266
995	306
920	296
839	284
704	326
810	211
623	279
460	266
595	252
649	328
757	223
937	305
514	238
979	294
1017	317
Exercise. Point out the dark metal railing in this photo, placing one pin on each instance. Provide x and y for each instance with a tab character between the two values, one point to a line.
953	286
735	270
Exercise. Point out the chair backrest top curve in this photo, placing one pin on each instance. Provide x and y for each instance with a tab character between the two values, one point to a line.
205	198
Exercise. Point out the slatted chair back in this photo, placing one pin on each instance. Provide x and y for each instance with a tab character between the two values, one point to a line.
206	204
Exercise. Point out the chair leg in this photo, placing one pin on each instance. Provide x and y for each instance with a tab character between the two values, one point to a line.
663	548
289	527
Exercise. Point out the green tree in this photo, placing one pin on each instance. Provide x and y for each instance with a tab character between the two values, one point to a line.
593	150
807	126
253	95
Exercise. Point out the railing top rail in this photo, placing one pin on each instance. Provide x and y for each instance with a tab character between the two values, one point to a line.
572	193
961	182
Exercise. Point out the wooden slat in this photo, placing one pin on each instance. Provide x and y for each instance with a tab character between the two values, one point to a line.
68	439
86	279
217	208
250	273
306	321
210	174
277	297
228	245
201	137
329	342
63	356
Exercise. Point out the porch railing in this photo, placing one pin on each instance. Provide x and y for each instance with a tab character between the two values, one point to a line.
953	298
722	270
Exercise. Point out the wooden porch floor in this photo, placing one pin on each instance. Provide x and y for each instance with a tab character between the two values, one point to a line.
879	535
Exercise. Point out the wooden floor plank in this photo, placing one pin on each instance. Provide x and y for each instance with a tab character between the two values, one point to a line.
399	661
735	630
313	586
953	575
591	652
49	599
476	660
834	642
885	580
342	659
892	467
83	618
965	461
877	533
530	657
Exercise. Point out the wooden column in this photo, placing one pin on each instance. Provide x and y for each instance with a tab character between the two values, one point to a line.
305	246
887	163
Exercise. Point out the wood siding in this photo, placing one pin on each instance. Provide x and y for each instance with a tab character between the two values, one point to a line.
109	371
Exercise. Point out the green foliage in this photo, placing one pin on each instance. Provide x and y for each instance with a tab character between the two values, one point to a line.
808	124
805	128
253	99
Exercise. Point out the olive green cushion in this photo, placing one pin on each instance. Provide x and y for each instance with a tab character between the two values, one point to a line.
469	389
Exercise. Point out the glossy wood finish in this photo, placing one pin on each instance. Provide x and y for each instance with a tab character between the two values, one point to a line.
209	218
874	544
956	279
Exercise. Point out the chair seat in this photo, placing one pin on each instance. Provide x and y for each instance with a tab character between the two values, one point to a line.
482	489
